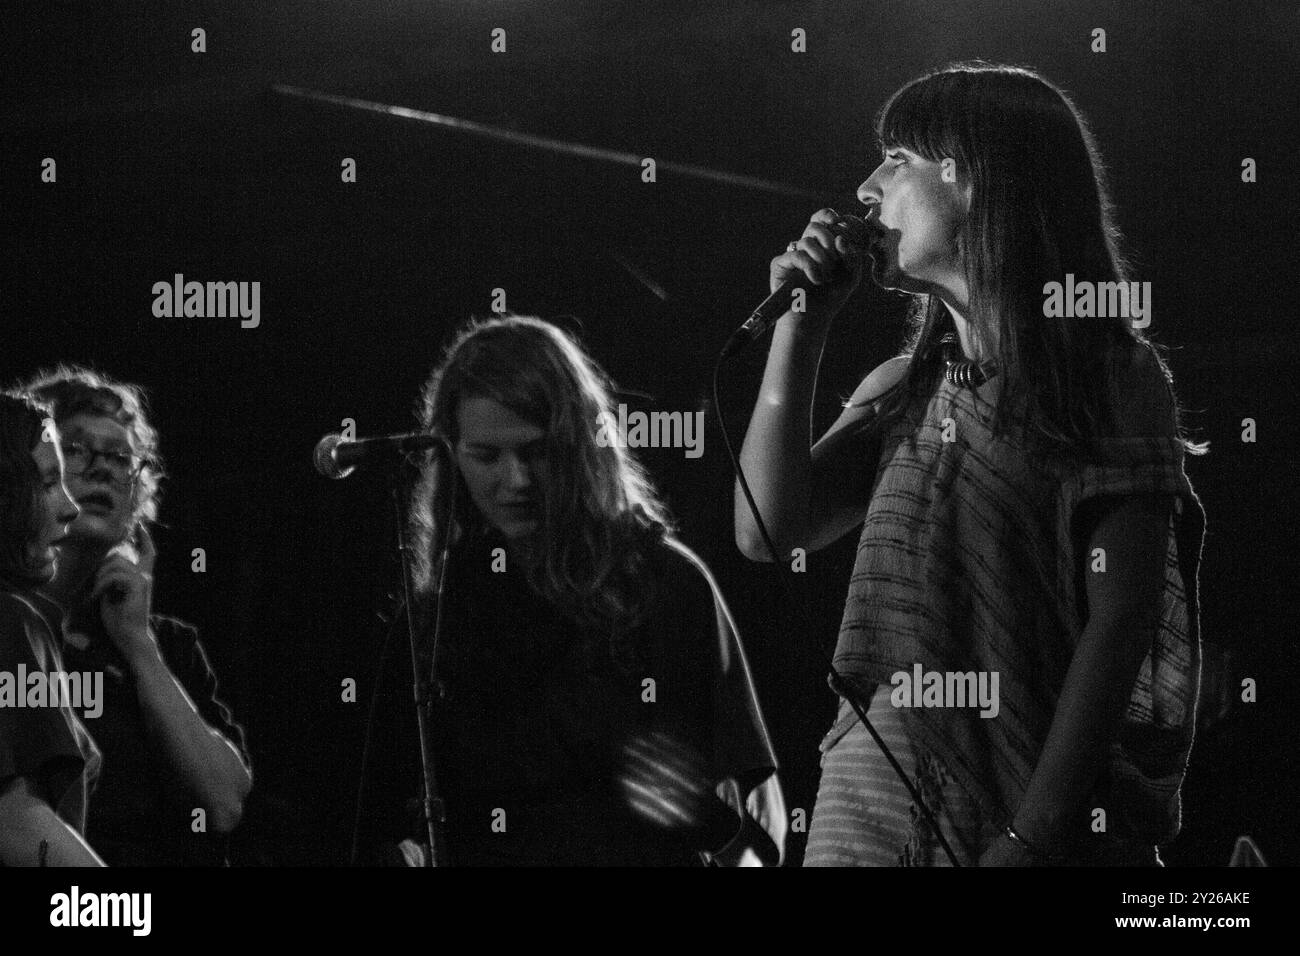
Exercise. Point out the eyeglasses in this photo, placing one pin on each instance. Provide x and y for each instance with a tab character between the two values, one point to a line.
122	466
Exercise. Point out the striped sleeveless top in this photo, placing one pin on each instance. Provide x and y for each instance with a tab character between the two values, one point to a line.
971	558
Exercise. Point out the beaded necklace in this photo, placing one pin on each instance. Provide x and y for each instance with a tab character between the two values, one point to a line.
963	372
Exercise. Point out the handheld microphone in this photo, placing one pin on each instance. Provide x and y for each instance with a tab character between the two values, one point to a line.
853	229
335	457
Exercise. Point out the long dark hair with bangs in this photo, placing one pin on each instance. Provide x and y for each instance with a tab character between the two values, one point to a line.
1039	209
22	424
601	514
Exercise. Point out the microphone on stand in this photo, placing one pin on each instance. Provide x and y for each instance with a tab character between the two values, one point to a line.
853	229
336	457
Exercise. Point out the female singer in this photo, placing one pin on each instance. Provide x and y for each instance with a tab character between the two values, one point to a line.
1019	481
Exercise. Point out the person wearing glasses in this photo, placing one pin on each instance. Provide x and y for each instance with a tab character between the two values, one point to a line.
171	747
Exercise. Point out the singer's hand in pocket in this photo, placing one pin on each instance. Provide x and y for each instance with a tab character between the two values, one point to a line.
831	263
123	589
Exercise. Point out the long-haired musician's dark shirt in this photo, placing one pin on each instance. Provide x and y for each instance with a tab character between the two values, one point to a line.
534	709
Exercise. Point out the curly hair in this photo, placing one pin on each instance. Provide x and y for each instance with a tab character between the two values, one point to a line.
22	423
73	390
1039	208
601	514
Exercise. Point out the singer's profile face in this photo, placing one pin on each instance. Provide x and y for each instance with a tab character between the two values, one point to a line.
503	460
920	215
102	485
57	511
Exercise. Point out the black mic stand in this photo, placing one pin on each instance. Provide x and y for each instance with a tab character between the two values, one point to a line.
425	680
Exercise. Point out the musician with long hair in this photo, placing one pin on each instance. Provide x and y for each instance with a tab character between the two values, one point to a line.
48	762
1018	475
593	703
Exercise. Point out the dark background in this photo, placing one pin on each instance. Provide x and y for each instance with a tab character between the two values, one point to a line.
172	161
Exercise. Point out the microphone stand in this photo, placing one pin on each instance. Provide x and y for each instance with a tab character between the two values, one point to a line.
425	680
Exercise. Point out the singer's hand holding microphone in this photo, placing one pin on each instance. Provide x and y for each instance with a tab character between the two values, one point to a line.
826	256
812	279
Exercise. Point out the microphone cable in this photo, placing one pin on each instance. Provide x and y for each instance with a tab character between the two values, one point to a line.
837	681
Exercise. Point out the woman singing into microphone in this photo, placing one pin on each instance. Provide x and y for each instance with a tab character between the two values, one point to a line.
1027	524
593	704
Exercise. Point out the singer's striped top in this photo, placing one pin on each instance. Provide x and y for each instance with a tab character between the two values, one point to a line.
973	558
